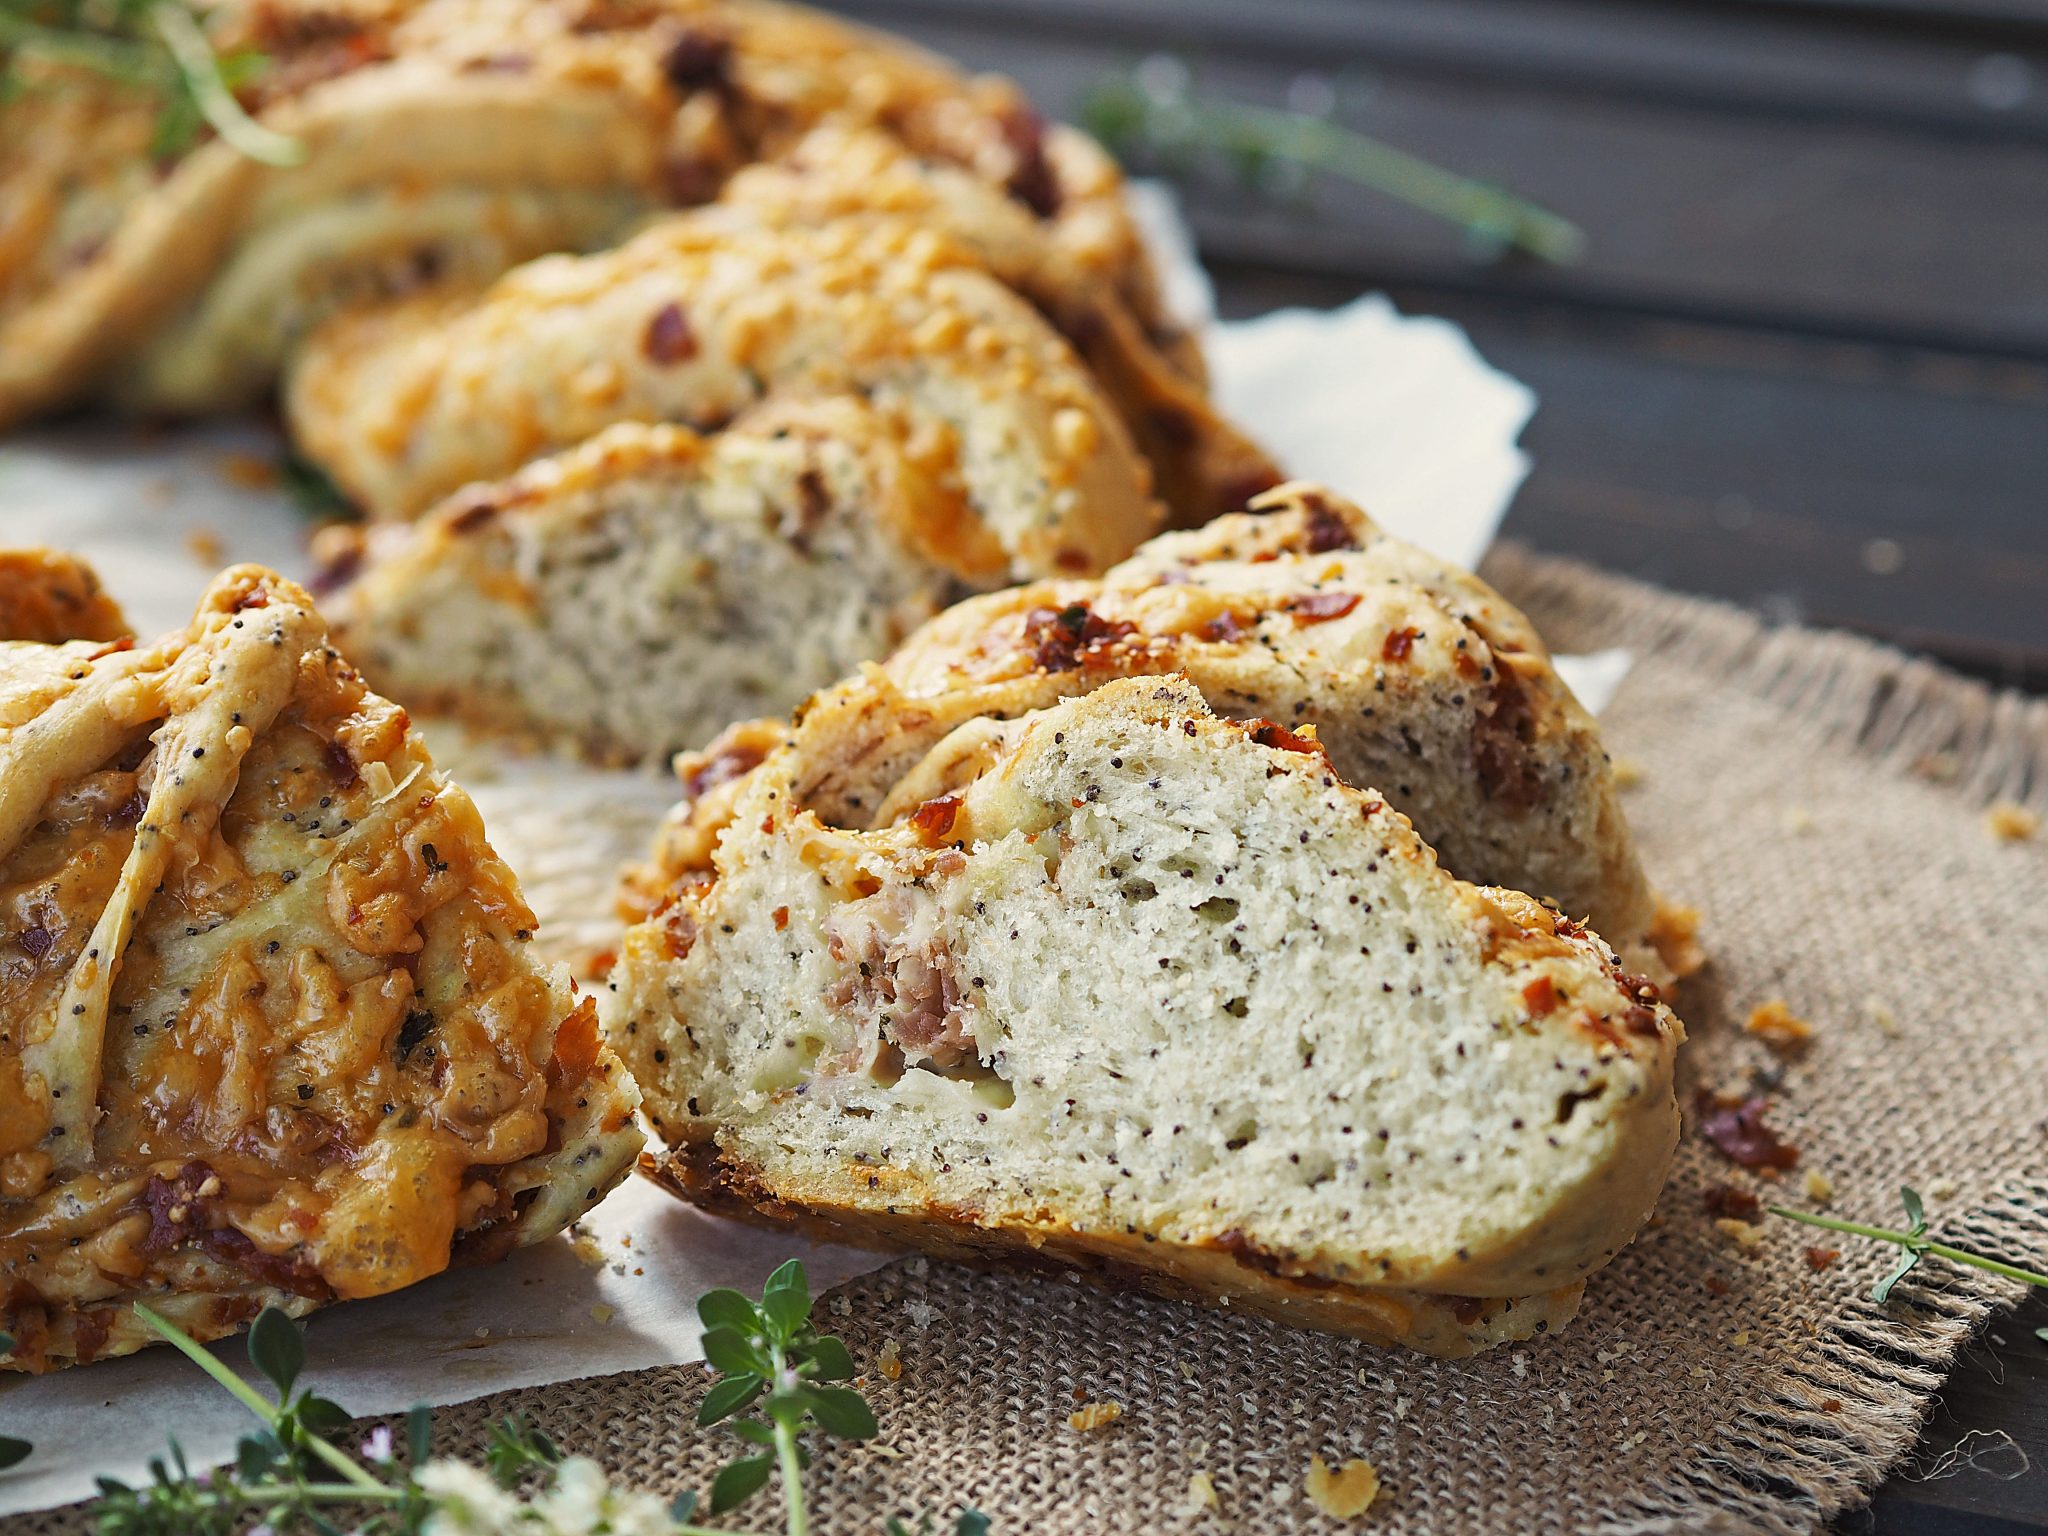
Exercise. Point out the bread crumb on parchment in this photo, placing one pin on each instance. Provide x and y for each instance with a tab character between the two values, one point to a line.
1202	1493
1344	1493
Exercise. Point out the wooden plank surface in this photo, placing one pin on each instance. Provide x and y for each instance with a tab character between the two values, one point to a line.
1804	364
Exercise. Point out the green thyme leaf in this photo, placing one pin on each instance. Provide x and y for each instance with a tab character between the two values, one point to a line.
755	1431
733	1355
972	1522
843	1412
829	1360
13	1452
2041	1334
1908	1262
786	1299
729	1396
277	1349
684	1506
6	1343
728	1309
1915	1212
746	1476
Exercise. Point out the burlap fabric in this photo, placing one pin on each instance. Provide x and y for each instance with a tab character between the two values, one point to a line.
1822	800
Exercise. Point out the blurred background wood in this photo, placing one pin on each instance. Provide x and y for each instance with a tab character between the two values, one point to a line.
1803	365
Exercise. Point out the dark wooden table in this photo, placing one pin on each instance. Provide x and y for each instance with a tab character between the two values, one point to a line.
1803	364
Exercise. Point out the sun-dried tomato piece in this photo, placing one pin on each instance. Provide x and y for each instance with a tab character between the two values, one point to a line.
1321	607
1737	1130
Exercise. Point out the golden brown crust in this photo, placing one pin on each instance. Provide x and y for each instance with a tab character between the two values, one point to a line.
47	595
1231	1275
267	1029
524	125
1423	681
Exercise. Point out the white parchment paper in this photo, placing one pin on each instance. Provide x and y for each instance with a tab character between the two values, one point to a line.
1401	414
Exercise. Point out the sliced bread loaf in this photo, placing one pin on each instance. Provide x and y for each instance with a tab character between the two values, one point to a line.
636	593
1421	681
1157	994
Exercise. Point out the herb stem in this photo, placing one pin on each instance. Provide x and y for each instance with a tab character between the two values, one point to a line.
1918	1244
786	1457
204	1358
194	57
323	1493
253	1400
125	62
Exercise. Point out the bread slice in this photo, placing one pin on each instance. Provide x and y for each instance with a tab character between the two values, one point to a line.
635	594
444	141
1419	679
269	1029
1143	989
48	595
1084	268
694	322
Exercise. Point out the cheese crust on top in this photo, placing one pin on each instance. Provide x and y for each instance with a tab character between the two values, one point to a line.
269	1032
445	141
1419	680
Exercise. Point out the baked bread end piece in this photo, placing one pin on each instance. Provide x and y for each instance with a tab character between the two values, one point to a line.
1132	987
273	1033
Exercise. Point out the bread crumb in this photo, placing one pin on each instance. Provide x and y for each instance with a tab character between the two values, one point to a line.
1740	1340
1799	821
1818	1259
204	546
2011	823
1882	1017
1674	934
886	1452
890	1361
1344	1494
1942	1189
1939	766
1775	1024
247	471
1744	1234
584	1246
1820	1189
921	1313
604	1312
1090	1417
1626	772
1202	1493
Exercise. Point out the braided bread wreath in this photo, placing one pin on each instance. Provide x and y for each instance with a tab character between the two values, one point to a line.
446	141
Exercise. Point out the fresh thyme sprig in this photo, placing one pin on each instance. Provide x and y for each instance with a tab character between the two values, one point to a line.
1914	1243
158	47
1152	111
293	1477
772	1360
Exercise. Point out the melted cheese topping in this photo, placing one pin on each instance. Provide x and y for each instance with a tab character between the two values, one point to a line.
267	1027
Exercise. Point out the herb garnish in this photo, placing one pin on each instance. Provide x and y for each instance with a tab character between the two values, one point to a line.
291	1474
771	1356
1915	1244
158	47
1152	112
